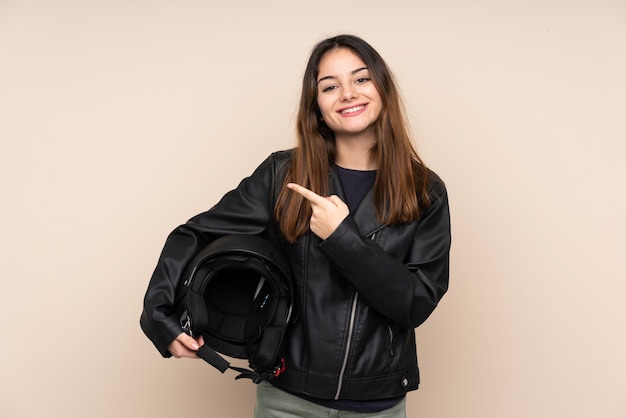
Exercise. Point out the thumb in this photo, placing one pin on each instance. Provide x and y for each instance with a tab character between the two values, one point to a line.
188	342
336	200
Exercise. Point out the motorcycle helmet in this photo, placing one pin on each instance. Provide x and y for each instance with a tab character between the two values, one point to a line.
237	294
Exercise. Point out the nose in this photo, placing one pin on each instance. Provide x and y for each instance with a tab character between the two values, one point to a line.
348	93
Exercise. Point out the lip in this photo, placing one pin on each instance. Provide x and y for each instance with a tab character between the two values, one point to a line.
360	108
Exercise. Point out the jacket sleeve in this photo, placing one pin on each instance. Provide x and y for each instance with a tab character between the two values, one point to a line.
248	209
408	290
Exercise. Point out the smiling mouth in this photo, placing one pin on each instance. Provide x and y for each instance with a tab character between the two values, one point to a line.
353	109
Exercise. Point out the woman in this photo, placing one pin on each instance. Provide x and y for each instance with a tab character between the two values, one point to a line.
366	228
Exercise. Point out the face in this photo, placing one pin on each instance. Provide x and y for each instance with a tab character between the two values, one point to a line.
346	95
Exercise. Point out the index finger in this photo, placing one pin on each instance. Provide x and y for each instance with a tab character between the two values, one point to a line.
306	193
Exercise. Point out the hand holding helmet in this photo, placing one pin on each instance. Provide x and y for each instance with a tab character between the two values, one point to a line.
185	346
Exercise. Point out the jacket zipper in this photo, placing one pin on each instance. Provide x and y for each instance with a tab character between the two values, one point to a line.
391	350
355	300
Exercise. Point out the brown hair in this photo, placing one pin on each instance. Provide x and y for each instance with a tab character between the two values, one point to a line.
400	188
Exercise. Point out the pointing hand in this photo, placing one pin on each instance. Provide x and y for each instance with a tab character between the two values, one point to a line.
328	212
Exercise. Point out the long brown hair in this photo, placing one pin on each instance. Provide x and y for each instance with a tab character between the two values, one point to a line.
400	192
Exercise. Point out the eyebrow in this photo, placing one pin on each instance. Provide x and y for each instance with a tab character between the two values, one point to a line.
332	76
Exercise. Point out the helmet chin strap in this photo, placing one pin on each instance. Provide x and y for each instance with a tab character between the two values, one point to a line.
209	355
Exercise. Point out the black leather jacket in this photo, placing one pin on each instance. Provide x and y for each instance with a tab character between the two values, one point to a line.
358	295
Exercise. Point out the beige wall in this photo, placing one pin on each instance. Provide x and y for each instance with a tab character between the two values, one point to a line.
121	119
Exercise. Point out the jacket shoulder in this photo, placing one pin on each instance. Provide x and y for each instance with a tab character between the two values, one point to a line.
281	156
436	186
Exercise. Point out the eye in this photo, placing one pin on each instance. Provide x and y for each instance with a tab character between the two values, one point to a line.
362	80
328	88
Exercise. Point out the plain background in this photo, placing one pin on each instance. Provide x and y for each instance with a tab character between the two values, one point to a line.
119	120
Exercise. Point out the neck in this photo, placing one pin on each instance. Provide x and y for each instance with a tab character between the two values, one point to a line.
355	153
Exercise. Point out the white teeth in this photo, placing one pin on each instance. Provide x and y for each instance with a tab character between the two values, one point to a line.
352	109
